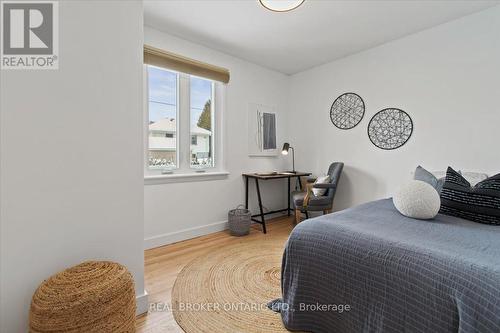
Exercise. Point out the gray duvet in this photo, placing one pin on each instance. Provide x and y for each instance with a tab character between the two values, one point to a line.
370	269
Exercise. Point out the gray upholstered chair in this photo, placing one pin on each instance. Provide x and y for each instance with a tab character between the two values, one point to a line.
305	201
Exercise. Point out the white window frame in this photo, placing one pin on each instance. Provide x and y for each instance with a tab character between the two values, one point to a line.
184	171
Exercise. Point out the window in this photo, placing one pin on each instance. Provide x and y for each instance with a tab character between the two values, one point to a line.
182	122
162	118
202	122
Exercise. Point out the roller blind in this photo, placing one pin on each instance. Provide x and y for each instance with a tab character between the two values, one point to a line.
161	58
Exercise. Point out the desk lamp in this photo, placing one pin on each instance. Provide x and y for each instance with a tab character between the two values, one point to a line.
284	151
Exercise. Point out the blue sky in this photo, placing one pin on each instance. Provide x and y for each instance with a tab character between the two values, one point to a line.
162	94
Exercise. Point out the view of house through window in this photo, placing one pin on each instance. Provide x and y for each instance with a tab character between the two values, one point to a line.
202	122
166	139
162	103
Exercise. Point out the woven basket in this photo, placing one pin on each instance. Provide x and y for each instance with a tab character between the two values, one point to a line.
239	221
95	296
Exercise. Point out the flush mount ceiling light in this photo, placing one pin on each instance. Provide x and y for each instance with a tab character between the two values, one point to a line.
281	5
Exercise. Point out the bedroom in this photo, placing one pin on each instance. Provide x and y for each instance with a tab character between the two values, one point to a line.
99	173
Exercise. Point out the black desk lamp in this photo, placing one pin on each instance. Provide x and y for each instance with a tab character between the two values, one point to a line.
284	151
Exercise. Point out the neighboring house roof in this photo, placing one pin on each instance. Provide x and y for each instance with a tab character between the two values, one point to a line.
169	125
200	131
165	125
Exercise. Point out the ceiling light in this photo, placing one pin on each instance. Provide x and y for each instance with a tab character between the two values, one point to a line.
281	5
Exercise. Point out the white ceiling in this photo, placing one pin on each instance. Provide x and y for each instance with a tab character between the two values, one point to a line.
317	32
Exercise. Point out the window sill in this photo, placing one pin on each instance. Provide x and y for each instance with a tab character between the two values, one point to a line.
184	177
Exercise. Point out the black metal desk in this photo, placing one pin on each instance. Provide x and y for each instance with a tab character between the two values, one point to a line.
279	175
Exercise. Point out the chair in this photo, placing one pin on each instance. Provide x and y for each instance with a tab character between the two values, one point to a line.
306	201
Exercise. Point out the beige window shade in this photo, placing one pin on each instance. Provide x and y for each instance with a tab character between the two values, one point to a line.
161	58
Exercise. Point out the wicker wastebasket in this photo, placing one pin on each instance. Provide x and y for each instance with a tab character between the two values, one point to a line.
239	221
95	296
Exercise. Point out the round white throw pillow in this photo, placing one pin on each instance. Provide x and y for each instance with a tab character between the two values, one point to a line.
418	200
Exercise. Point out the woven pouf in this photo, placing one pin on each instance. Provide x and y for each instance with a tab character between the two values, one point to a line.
95	296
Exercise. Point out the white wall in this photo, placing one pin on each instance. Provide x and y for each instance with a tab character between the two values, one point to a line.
71	164
447	78
177	211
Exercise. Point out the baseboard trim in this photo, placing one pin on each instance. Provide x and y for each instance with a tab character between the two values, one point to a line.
185	234
177	236
142	304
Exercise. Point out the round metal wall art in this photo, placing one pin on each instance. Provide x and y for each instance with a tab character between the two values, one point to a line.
347	111
390	128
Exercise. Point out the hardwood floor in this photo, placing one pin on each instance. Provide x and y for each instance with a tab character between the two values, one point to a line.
162	265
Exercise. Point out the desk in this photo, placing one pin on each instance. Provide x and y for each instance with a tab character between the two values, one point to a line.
279	175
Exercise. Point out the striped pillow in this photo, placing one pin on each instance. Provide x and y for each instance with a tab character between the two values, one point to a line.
480	203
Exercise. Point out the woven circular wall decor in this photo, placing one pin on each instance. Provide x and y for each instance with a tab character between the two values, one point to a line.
390	128
347	111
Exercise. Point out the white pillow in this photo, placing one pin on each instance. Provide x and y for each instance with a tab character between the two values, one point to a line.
318	192
418	200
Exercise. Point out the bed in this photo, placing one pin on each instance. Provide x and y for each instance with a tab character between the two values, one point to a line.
370	269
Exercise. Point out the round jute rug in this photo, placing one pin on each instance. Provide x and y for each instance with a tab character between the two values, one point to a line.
227	290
